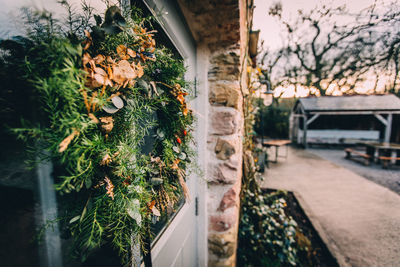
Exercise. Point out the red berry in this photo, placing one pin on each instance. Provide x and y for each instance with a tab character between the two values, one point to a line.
179	140
184	132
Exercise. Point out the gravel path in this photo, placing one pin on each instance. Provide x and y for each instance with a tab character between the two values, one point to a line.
388	178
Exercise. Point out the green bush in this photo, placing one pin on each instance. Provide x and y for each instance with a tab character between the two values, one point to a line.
273	121
267	236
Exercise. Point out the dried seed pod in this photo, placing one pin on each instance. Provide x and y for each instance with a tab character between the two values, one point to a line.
107	124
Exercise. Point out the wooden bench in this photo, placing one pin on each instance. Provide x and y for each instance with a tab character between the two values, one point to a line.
385	160
366	158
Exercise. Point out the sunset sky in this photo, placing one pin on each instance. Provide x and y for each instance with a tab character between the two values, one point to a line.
271	29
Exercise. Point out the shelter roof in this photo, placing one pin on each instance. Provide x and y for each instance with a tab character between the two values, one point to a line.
387	102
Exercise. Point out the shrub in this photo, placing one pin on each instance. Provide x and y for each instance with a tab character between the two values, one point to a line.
267	236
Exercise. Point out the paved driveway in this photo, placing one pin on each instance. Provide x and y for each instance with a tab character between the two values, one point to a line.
358	219
389	178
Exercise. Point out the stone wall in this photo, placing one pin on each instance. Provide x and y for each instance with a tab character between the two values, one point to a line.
225	160
221	27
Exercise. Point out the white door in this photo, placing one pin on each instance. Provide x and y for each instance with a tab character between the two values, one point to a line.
178	245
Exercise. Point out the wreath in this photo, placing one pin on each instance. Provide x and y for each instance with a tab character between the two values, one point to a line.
115	120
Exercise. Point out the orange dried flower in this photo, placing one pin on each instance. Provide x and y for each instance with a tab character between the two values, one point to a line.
93	118
65	143
109	187
123	73
86	44
106	160
107	124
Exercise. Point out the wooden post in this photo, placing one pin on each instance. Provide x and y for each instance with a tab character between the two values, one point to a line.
388	128
291	126
305	131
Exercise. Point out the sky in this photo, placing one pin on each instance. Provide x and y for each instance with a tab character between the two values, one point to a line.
10	14
270	28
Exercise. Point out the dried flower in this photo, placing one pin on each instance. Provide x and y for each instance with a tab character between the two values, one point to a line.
109	187
181	174
123	73
65	143
106	160
88	41
93	118
107	124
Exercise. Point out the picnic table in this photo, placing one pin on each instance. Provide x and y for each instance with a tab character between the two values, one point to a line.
277	144
384	153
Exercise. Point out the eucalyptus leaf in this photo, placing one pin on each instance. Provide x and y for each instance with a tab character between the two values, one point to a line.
156	181
98	20
88	183
160	134
76	218
111	29
155	211
119	19
144	85
182	156
98	33
111	14
133	210
117	101
110	109
176	149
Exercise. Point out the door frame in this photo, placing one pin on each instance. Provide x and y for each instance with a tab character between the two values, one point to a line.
174	25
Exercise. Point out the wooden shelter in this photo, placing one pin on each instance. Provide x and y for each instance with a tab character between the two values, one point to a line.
343	119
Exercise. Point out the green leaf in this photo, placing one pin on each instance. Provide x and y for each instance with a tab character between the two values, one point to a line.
88	183
156	181
111	29
144	85
133	210
98	20
76	218
119	19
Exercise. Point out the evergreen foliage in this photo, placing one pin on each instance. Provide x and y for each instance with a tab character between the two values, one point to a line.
111	112
273	121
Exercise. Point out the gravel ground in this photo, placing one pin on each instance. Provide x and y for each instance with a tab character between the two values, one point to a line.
388	178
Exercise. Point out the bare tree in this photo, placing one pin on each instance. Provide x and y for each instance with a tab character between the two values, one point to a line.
332	48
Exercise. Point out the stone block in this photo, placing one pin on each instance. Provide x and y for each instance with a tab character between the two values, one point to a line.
230	199
222	222
230	262
225	121
222	245
225	148
222	173
225	65
226	94
235	161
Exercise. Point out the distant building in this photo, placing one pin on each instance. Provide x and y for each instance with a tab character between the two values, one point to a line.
345	119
